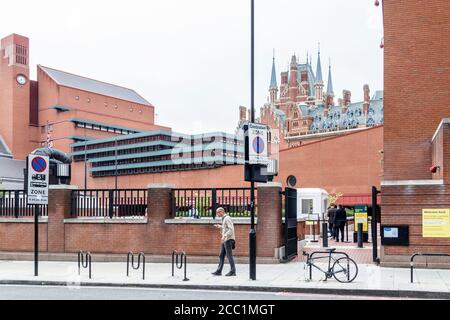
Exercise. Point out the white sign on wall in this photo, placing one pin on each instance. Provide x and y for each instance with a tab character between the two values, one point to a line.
258	143
38	179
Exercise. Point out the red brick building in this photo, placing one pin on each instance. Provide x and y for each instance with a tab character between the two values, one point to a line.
302	111
417	61
60	107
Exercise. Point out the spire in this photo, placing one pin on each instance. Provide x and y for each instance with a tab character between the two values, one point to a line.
273	79
319	68
330	82
294	61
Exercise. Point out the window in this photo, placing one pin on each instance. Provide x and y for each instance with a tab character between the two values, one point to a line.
307	206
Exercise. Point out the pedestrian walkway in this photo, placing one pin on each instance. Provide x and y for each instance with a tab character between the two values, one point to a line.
360	255
291	277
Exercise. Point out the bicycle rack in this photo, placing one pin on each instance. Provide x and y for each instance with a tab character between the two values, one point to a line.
85	261
141	258
426	262
179	259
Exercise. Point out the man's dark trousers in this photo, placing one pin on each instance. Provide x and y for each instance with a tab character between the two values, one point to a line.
227	250
339	228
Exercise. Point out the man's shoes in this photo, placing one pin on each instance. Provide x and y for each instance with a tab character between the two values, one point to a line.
231	274
217	273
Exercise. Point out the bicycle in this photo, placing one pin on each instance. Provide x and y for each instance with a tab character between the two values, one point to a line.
344	269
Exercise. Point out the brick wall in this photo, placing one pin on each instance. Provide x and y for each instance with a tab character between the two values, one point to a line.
417	65
158	234
417	83
402	205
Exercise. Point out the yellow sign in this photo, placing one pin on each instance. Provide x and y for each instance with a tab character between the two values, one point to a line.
361	217
436	223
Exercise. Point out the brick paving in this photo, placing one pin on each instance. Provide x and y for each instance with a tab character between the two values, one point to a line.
360	255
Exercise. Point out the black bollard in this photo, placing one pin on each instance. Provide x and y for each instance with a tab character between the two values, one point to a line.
360	235
325	234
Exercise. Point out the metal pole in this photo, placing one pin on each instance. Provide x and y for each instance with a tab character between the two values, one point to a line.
374	224
36	240
115	142
252	237
360	235
85	159
325	234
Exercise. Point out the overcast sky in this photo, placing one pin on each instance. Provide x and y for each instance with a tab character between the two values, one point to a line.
191	59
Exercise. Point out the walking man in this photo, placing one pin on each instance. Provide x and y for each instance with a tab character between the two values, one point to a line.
228	243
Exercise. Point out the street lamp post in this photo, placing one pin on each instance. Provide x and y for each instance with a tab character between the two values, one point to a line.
85	159
252	237
115	156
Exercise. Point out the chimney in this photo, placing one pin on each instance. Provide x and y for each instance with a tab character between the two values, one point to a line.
284	77
347	96
242	113
366	103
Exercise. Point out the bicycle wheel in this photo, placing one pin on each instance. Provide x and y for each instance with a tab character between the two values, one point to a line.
345	270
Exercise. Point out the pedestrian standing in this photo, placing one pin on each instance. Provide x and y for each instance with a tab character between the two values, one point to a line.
340	221
228	243
331	215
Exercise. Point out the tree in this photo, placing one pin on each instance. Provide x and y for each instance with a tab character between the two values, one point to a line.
334	197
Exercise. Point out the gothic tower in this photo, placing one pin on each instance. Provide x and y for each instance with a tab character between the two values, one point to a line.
319	85
273	89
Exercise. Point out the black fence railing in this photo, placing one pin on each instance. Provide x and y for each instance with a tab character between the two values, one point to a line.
13	204
109	203
203	203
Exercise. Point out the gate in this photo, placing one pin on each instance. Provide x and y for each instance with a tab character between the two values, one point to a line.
290	225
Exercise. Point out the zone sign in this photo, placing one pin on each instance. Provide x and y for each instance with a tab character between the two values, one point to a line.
38	179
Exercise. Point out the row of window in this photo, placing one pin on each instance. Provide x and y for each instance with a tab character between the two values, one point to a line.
168	168
105	128
180	156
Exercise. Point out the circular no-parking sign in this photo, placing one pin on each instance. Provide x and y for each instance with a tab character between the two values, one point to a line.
259	145
39	164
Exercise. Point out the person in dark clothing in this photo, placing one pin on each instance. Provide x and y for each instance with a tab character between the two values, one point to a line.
339	222
331	213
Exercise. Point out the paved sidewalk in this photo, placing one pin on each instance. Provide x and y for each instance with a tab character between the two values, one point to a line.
372	280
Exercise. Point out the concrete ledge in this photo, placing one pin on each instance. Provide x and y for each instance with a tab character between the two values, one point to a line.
106	221
411	183
236	221
62	187
269	185
23	220
161	186
444	121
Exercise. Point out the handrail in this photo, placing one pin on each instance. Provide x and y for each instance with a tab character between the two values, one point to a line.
424	255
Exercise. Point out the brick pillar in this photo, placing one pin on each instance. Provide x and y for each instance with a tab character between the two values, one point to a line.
59	204
159	209
270	228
